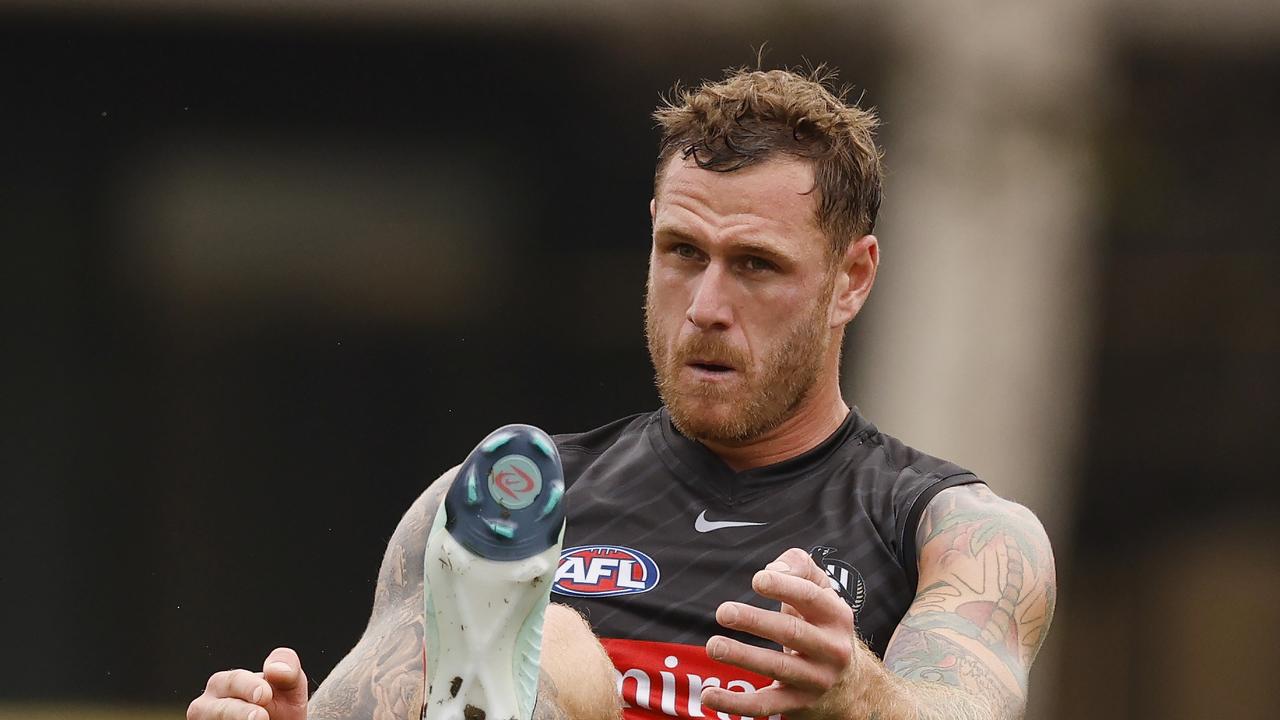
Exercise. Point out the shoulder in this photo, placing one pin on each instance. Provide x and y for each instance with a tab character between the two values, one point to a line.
973	516
979	550
908	479
906	463
900	482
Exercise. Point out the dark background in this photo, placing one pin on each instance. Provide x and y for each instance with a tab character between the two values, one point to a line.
265	279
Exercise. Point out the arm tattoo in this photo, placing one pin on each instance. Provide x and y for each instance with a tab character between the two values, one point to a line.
382	677
979	620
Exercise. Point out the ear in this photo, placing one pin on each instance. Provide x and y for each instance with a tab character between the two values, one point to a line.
653	209
854	277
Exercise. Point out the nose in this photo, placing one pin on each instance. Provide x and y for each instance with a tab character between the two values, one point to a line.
710	307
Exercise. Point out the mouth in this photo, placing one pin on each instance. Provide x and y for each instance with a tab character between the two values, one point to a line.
711	367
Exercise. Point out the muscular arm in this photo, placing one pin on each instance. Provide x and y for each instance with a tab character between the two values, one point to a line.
381	678
961	652
985	600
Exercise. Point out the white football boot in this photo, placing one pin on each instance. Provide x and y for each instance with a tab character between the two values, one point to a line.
490	561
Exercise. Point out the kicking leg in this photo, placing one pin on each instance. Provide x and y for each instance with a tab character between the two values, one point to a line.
495	649
577	676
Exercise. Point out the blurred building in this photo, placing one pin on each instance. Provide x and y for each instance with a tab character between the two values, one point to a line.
255	257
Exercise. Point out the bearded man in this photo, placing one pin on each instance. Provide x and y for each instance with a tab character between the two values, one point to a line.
755	547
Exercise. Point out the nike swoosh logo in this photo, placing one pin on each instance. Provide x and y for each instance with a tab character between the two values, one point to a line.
703	525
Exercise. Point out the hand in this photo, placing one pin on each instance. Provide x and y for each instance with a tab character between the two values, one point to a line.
279	692
814	626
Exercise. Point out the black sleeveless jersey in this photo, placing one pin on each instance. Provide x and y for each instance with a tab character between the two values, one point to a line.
660	532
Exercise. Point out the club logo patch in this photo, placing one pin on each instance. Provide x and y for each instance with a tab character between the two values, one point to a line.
845	578
514	482
603	571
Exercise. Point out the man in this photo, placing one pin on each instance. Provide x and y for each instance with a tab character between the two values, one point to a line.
754	548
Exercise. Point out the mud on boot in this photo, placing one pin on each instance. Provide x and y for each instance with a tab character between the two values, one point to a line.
490	561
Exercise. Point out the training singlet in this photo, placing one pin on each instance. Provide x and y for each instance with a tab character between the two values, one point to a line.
660	532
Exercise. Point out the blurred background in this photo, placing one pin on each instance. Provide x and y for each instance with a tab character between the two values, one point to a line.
269	268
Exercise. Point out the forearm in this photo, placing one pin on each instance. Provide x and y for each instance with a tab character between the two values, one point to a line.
920	700
941	678
343	691
380	678
948	687
944	668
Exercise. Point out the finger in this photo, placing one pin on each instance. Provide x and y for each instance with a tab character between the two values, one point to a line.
762	703
226	709
817	603
239	684
787	630
283	670
789	668
797	562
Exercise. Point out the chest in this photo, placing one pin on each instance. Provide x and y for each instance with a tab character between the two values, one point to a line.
650	558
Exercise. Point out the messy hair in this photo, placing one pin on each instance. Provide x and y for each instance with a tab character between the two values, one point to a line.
755	115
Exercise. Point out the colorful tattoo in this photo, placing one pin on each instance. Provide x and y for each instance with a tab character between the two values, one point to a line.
985	604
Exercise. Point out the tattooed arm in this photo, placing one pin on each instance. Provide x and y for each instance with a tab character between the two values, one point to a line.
962	651
381	678
983	606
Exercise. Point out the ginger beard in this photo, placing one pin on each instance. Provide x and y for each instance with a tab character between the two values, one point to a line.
768	392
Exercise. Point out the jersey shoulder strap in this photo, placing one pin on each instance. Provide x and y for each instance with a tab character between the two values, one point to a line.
919	478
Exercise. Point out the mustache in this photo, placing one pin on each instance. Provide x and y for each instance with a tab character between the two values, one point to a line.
712	348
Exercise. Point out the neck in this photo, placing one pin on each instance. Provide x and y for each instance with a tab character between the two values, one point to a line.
814	421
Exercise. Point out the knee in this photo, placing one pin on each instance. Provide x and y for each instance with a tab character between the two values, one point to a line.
576	664
562	625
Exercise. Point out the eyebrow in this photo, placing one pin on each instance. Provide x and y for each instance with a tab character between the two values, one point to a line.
672	231
740	246
753	247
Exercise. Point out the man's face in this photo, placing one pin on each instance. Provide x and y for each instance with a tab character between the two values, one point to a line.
737	314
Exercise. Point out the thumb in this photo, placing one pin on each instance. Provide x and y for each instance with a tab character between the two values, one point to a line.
283	670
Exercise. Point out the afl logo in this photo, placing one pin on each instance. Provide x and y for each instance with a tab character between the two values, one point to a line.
604	570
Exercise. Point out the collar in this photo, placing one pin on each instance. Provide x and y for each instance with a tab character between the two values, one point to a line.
705	473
